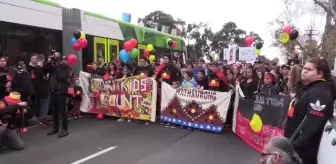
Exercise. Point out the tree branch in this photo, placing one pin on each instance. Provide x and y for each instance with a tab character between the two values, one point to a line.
325	8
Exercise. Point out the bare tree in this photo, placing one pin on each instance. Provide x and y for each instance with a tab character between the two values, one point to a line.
325	41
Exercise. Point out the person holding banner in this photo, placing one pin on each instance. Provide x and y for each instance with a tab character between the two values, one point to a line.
310	109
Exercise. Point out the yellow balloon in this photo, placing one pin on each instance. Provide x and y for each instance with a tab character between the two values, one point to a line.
82	36
258	51
256	123
151	58
150	47
284	38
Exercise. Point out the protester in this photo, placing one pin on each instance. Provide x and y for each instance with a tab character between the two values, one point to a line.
188	81
167	71
249	84
278	150
40	100
5	82
143	69
312	107
269	86
202	80
8	111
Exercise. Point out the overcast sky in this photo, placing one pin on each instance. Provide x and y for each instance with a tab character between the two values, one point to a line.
250	15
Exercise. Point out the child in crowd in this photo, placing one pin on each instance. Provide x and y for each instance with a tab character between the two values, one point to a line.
188	81
77	100
269	86
176	84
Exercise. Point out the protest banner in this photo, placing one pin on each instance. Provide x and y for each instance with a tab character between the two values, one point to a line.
257	120
133	97
200	109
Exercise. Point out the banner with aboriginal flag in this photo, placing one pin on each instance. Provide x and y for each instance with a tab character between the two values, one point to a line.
132	97
257	120
195	108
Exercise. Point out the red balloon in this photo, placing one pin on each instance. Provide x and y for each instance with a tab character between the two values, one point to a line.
174	44
146	53
287	29
134	43
83	42
249	40
72	59
9	78
128	46
100	116
77	46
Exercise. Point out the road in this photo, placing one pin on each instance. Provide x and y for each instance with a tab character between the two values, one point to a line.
108	141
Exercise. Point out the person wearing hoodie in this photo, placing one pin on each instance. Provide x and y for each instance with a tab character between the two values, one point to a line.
310	109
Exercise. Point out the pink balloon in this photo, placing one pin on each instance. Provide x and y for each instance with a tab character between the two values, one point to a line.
72	59
128	46
100	116
249	40
287	29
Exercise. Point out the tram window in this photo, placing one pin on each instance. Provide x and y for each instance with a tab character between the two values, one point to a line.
113	53
100	50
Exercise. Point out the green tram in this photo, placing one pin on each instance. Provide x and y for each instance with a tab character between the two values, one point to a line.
37	26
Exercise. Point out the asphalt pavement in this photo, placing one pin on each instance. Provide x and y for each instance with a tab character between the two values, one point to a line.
107	141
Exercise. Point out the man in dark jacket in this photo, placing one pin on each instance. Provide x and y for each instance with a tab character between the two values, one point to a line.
311	109
59	87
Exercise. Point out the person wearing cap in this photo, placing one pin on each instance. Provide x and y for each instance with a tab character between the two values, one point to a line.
8	110
61	79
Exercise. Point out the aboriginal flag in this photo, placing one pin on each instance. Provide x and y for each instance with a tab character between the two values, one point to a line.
261	118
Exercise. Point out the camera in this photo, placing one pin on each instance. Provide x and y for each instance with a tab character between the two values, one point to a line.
54	56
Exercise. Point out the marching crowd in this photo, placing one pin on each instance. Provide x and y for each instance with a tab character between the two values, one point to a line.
311	88
48	86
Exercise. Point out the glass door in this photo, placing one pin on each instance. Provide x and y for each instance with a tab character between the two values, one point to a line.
113	50
99	49
141	48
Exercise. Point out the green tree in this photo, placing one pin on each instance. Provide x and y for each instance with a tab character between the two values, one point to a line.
200	39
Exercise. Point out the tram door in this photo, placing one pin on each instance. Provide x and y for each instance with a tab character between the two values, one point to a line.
141	48
113	50
100	49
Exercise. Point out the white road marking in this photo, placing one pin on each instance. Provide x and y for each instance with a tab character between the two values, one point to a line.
94	155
